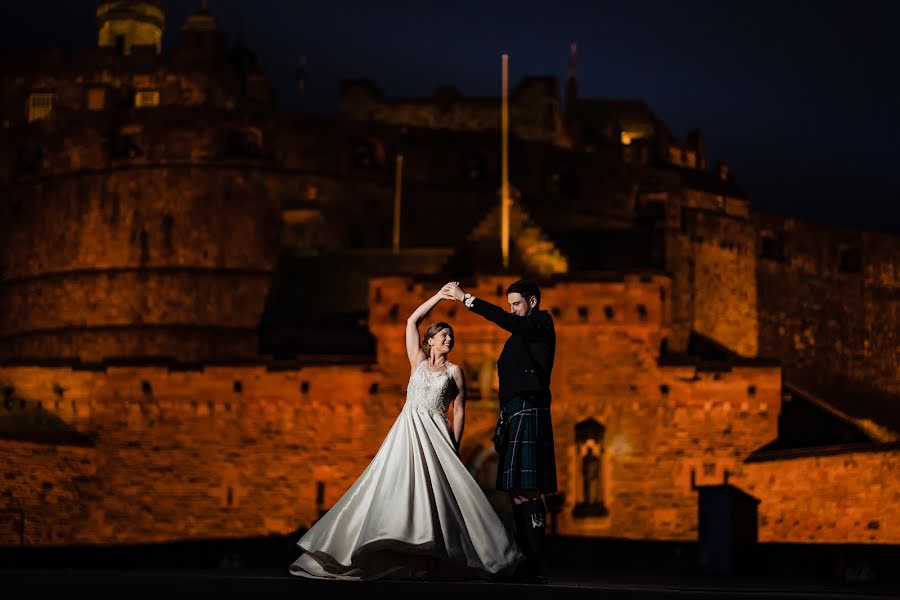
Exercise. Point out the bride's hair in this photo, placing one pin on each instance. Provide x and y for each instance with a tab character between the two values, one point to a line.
432	331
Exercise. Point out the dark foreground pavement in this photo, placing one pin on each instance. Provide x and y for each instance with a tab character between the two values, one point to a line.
248	584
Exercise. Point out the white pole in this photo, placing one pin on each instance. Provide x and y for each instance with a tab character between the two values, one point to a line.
398	184
504	182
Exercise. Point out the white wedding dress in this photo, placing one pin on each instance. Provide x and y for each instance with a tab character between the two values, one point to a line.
415	511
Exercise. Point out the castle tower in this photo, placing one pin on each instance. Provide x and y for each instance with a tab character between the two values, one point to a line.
127	23
141	236
201	36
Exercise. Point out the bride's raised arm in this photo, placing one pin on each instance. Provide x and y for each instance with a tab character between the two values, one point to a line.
413	342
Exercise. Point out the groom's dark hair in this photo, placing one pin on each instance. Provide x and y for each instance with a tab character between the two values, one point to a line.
527	288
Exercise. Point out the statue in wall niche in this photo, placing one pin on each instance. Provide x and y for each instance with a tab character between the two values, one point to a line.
589	436
590	476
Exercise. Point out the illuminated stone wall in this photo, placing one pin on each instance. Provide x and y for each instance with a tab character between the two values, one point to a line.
137	23
46	492
534	112
97	80
724	281
110	255
230	451
216	452
828	304
848	497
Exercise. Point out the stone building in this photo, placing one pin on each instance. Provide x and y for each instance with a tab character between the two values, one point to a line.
202	308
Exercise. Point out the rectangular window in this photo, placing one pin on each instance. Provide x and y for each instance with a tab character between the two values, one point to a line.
849	260
39	106
146	98
96	99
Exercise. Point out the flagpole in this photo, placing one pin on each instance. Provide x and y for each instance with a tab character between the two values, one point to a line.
504	181
398	183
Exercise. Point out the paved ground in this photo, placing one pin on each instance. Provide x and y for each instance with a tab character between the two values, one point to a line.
263	585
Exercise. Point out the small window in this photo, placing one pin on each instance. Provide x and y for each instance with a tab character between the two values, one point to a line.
29	160
96	99
849	260
364	156
642	312
564	182
39	106
474	168
772	247
146	99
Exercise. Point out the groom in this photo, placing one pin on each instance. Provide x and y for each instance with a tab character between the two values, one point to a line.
528	462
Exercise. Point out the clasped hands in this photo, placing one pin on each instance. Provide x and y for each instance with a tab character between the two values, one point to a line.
452	291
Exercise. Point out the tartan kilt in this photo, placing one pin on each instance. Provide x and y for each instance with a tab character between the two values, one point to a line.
528	461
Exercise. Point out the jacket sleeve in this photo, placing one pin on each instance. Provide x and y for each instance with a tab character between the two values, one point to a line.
534	325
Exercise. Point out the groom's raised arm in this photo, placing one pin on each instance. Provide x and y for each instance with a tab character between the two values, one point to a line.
532	326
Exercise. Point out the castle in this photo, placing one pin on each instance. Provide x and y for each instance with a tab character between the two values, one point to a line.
202	303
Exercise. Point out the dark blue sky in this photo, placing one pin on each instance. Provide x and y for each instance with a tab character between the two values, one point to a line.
801	98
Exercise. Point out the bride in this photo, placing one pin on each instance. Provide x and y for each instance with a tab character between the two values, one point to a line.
415	512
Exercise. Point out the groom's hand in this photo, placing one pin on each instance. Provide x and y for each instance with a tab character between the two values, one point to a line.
452	288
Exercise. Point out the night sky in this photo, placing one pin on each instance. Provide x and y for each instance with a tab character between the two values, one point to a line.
802	99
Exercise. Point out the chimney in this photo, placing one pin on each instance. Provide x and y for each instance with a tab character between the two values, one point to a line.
695	140
723	171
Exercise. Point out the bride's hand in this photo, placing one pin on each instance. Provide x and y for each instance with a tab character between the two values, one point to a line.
447	292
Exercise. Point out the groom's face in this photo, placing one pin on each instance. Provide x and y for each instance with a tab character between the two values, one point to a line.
518	305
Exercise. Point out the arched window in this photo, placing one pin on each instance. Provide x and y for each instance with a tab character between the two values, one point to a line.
244	141
481	379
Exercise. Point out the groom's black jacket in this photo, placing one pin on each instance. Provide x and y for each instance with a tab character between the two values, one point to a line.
527	358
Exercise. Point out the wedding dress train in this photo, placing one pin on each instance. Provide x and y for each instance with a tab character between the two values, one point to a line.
415	511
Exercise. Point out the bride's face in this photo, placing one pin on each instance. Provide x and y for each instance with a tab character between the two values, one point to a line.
441	342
